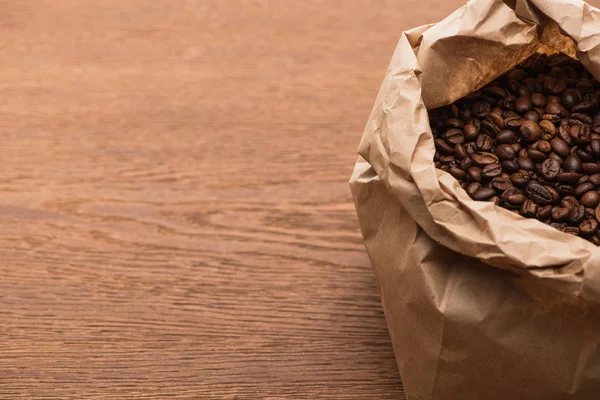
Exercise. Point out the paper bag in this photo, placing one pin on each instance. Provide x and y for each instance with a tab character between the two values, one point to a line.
481	303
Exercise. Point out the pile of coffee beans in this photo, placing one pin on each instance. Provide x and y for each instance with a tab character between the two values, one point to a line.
529	142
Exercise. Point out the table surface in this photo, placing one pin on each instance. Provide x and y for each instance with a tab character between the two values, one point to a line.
176	219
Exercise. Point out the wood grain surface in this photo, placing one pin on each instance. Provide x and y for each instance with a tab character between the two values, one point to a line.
175	215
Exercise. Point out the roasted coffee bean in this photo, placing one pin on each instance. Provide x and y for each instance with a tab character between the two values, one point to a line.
515	200
555	108
565	189
570	97
584	156
560	147
457	173
517	147
583	188
484	142
460	152
595	179
475	173
577	215
512	167
580	118
590	199
483	159
591	168
581	133
530	131
536	156
543	146
538	100
473	187
525	163
501	183
471	131
550	169
454	136
481	108
569	178
496	200
583	179
465	164
471	148
572	230
538	193
560	214
443	147
595	148
484	193
548	128
531	116
506	137
529	208
572	164
523	104
569	202
588	227
559	226
544	212
492	171
455	123
520	178
505	152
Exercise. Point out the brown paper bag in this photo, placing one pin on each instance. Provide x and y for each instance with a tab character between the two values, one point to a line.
481	303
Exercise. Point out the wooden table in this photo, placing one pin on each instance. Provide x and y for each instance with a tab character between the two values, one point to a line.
176	219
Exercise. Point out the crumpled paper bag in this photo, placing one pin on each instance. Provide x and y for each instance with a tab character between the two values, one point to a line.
481	303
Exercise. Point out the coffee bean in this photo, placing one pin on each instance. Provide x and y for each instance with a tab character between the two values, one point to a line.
569	202
484	193
565	189
536	156
520	178
544	212
577	215
555	108
505	152
569	178
530	131
581	133
511	166
595	179
443	147
454	136
501	183
538	193
529	208
583	188
543	146
560	214
538	100
484	142
515	200
475	173
460	152
496	200
523	104
492	171
572	230
591	168
588	227
560	147
471	131
548	128
595	148
471	148
457	173
580	118
506	137
570	97
472	188
590	199
481	108
550	169
572	164
525	163
465	164
455	123
483	159
531	116
584	156
559	226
